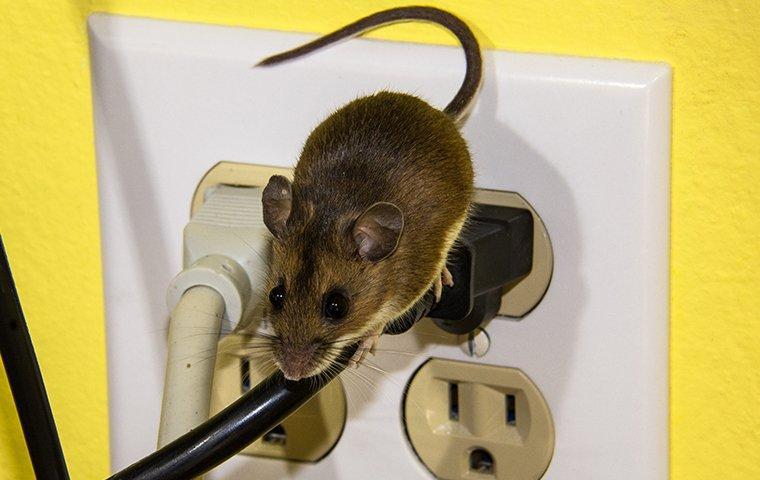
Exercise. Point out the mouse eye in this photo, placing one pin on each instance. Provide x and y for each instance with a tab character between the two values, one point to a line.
277	297
336	306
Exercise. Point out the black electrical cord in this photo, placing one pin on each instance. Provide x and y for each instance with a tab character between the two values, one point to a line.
193	454
26	382
232	429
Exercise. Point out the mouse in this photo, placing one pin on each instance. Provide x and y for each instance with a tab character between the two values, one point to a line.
381	191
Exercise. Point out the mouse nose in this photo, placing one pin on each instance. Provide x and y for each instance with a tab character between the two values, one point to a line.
297	362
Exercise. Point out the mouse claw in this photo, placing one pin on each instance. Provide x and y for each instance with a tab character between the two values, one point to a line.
438	289
444	278
366	347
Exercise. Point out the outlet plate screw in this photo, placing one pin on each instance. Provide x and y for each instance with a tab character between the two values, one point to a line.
476	343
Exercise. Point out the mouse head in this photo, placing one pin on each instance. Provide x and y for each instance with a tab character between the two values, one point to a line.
324	284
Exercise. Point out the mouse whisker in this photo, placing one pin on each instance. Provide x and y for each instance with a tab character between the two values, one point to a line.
194	335
344	341
257	355
372	366
356	372
197	353
375	368
359	385
388	375
258	348
166	328
228	347
448	337
370	388
267	336
354	388
398	352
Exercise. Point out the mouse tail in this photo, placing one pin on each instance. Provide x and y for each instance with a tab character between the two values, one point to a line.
460	104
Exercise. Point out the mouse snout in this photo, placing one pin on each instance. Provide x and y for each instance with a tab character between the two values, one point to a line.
297	361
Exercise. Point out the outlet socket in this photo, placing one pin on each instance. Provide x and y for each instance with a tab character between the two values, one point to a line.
473	421
308	435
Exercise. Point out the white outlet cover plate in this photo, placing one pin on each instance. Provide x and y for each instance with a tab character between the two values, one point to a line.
586	141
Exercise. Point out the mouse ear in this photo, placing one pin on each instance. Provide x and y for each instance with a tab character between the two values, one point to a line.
277	199
377	231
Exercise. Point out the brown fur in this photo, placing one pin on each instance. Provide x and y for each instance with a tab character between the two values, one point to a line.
388	147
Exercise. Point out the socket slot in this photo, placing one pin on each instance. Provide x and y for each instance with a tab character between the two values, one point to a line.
245	375
468	420
308	435
275	436
454	401
511	411
481	461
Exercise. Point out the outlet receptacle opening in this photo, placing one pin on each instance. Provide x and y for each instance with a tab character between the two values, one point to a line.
481	461
245	375
308	435
275	436
486	401
511	410
454	402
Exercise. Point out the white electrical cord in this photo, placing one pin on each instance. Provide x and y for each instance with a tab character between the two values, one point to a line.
225	248
193	335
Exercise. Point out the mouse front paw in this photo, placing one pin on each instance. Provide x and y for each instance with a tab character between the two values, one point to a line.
366	347
444	278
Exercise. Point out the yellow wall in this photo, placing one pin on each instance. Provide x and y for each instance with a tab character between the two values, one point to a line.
48	203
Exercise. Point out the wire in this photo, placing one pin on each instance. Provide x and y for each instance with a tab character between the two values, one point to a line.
26	383
231	430
191	455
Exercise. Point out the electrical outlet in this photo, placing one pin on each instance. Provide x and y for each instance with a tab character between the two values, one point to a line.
468	420
307	435
585	141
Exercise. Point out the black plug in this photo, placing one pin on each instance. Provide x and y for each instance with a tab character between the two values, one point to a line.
494	251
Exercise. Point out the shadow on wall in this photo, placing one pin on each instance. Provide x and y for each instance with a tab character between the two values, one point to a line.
132	181
129	176
509	152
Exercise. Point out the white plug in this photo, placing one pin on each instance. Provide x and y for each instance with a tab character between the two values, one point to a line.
226	247
225	255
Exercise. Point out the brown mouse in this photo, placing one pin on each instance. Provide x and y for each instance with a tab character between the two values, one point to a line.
380	193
